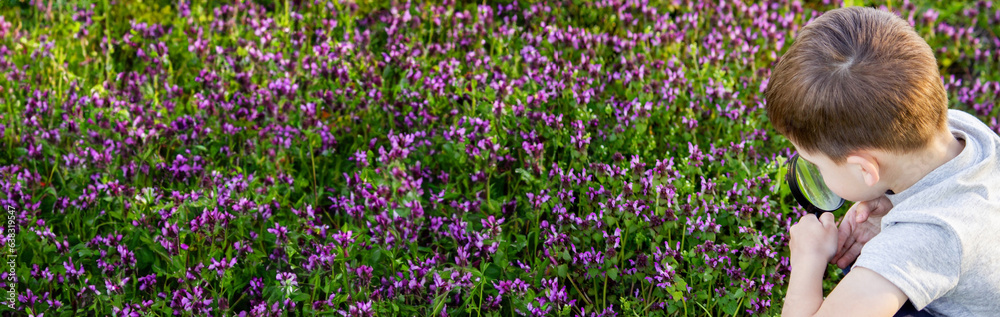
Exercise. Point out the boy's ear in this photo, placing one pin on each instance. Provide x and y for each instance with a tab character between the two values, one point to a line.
869	167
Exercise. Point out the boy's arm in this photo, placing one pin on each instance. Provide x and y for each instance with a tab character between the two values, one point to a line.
805	289
861	293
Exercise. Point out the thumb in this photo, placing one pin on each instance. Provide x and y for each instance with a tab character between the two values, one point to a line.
846	227
862	211
827	220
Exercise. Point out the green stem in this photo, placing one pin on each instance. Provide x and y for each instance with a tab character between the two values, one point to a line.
54	168
582	294
621	259
488	205
604	297
312	164
108	64
708	313
479	310
649	292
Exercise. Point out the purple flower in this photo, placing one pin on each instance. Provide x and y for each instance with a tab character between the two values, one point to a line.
146	282
220	266
256	286
71	271
345	239
280	232
195	301
535	150
360	158
358	309
515	286
287	282
4	27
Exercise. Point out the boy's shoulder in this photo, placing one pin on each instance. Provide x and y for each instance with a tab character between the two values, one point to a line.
971	176
931	245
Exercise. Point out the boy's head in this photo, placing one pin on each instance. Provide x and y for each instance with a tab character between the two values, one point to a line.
855	79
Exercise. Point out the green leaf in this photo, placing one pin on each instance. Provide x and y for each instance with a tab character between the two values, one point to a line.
521	241
613	274
493	272
178	263
730	307
300	297
676	295
439	300
375	258
500	258
562	270
525	175
83	253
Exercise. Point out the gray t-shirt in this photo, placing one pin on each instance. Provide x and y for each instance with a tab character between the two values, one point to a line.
940	243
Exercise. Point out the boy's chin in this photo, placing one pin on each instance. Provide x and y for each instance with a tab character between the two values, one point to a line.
865	197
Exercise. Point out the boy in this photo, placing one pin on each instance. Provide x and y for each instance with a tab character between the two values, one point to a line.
860	96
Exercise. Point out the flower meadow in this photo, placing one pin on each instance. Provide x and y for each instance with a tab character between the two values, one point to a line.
376	158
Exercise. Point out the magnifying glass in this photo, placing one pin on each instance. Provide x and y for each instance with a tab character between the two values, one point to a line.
808	188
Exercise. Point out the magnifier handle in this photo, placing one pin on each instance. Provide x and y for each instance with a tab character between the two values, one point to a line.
818	213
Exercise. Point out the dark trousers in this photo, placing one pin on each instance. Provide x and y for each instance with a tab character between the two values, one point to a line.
909	311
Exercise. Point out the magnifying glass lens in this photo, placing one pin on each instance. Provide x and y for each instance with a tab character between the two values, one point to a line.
808	187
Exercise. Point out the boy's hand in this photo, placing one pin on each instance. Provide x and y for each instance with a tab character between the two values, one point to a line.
813	241
861	223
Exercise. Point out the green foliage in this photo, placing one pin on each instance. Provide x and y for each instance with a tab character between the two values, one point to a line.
296	138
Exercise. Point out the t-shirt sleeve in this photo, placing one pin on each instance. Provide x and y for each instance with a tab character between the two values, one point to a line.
922	260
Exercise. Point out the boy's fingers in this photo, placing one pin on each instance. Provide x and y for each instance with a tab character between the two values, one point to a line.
843	249
878	207
845	229
849	240
828	220
849	256
807	218
861	212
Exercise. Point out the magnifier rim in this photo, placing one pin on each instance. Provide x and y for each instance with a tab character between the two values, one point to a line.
791	177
